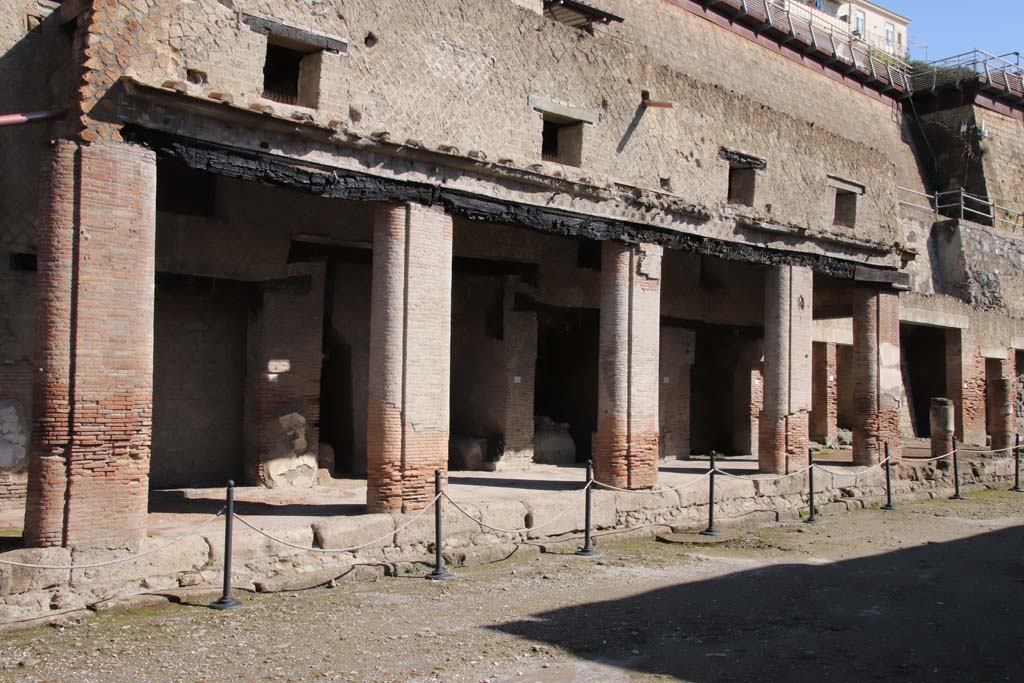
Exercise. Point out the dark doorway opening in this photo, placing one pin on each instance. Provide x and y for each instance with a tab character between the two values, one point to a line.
720	407
566	376
923	350
199	366
345	372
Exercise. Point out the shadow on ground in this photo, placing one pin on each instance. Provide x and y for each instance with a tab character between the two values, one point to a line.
179	502
939	612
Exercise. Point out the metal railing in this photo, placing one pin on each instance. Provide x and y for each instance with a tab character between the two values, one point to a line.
1003	72
828	37
964	206
870	38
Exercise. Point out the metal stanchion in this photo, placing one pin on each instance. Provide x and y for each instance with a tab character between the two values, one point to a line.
225	601
588	545
1016	466
811	519
439	573
956	474
711	530
888	480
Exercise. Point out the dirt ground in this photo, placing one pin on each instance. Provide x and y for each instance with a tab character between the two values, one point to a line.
931	592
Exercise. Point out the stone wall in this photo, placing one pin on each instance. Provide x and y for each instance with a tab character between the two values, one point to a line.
263	565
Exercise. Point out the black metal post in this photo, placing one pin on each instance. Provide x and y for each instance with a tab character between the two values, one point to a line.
711	530
225	601
811	519
888	480
956	474
439	573
1016	467
588	546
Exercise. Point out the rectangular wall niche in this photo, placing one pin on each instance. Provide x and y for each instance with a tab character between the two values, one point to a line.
743	169
847	195
293	65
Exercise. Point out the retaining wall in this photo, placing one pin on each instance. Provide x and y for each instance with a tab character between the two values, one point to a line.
261	564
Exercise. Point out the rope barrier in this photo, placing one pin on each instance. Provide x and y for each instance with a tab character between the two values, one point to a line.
782	476
652	492
333	551
835	473
524	529
120	560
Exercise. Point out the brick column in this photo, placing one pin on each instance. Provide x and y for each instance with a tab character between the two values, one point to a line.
825	394
520	361
89	454
626	449
965	384
788	327
877	376
410	356
1002	401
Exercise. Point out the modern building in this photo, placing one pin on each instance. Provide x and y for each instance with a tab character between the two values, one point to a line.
873	24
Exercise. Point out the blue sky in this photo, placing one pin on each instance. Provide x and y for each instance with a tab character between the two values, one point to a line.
950	27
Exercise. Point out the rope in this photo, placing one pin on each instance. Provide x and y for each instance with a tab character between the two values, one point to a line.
782	476
130	558
516	531
652	492
412	519
937	457
835	473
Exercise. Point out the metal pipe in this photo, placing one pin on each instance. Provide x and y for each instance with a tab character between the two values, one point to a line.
439	573
588	545
888	480
711	530
1016	467
956	474
225	601
810	480
32	117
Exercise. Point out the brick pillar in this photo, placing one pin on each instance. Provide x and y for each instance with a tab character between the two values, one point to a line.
965	384
788	327
877	376
89	454
626	449
941	426
825	394
410	356
1001	402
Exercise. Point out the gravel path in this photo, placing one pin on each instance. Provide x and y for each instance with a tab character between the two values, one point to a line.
931	592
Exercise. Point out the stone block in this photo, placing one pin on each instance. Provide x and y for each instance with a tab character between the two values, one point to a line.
188	554
250	546
15	580
573	505
346	532
457	527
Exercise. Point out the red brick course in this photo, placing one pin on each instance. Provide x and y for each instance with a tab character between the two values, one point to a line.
877	377
789	306
626	448
410	356
825	400
89	455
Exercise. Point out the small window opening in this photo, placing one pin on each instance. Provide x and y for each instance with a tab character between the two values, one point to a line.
28	263
562	141
742	179
291	73
846	208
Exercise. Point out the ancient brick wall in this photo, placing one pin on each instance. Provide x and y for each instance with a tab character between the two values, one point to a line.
677	357
467	78
825	394
17	309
